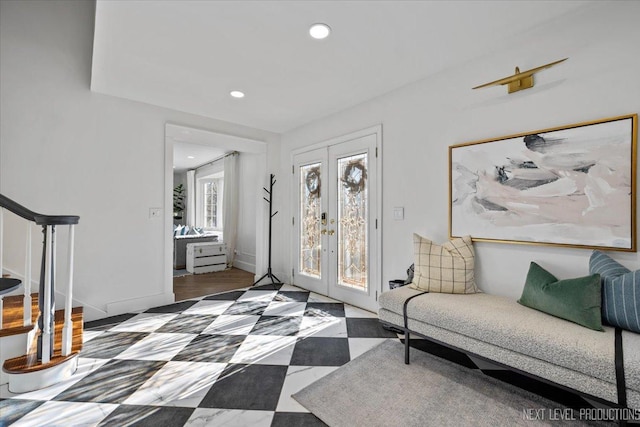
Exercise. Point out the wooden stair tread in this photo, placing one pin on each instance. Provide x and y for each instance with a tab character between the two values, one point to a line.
13	313
13	323
28	363
17	330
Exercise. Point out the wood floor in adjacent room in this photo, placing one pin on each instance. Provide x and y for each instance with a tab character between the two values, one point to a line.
197	285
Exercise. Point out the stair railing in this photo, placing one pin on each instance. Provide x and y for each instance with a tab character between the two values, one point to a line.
46	295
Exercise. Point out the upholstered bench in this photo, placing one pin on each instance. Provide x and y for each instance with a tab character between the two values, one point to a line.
519	338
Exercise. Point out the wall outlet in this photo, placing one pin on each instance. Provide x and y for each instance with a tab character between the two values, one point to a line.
155	213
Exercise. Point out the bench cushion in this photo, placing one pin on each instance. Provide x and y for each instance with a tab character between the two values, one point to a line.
504	324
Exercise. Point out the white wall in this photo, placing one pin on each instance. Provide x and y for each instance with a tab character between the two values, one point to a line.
179	178
66	150
247	206
422	119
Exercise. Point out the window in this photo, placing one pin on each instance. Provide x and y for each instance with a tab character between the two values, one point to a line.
210	192
211	217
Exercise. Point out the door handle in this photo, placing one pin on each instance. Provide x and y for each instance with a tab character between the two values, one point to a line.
323	231
331	232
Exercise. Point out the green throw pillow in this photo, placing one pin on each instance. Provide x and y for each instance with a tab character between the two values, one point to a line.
577	300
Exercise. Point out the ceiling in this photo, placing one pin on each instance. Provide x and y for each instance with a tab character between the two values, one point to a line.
188	55
194	147
189	156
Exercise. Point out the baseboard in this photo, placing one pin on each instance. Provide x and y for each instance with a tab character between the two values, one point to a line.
135	305
90	312
245	266
285	277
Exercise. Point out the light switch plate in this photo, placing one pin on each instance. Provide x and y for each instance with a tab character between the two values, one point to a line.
398	213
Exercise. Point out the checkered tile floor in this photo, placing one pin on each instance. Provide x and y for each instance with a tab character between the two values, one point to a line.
227	359
230	359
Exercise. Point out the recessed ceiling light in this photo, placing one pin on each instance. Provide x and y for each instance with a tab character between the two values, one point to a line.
236	94
190	157
319	31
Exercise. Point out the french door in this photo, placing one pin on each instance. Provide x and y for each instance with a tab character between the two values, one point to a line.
335	238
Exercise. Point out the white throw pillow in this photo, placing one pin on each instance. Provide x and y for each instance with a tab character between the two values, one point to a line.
447	268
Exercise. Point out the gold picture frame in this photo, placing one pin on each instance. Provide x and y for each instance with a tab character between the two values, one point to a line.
572	186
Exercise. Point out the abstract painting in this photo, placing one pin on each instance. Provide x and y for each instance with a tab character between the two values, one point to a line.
571	186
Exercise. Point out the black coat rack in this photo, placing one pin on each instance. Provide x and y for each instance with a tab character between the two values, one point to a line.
269	274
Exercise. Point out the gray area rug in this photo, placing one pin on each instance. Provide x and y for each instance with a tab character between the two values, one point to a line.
378	389
180	273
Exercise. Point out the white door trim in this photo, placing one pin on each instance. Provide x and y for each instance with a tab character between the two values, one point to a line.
377	130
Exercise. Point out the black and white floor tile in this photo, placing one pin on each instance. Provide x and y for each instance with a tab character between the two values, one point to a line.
230	359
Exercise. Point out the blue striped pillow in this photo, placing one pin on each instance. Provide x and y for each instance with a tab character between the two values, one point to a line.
620	292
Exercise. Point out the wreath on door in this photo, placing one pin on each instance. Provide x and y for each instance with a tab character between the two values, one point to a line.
312	182
354	176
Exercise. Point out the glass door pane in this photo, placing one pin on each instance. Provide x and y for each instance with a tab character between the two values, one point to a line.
310	220
352	221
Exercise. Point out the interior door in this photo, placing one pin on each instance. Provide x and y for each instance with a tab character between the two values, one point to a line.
336	231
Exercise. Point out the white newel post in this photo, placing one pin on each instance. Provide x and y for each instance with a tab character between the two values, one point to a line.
27	279
67	330
46	312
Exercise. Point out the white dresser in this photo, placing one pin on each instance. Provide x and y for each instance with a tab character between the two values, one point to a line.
206	257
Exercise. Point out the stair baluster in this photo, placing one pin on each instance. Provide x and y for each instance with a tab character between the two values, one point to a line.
45	347
27	279
67	330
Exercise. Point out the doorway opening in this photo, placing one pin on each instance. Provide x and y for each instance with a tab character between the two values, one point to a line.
211	199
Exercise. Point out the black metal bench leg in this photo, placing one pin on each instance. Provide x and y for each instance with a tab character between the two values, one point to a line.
406	326
406	348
